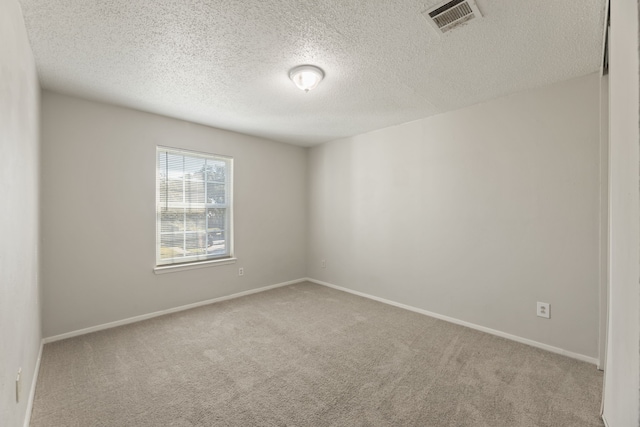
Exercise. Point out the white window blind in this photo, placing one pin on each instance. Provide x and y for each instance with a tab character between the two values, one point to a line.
193	206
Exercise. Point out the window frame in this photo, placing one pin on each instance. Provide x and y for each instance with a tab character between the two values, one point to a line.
174	264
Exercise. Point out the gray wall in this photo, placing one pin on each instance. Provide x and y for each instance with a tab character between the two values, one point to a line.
474	214
19	146
98	213
621	398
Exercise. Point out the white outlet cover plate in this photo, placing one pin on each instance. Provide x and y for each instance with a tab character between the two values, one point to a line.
544	310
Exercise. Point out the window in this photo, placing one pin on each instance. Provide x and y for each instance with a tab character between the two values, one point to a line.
193	207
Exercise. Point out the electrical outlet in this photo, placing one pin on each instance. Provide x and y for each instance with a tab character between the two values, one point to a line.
323	264
241	271
18	385
544	310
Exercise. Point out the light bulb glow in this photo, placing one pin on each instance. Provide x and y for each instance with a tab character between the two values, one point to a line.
306	77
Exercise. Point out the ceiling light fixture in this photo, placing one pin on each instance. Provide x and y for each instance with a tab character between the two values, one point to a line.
306	77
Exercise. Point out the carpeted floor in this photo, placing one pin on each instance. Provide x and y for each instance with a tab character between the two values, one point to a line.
307	355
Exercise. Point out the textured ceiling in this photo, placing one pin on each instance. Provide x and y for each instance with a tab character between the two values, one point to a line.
225	63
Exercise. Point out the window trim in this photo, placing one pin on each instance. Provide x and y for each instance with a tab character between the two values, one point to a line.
172	268
229	205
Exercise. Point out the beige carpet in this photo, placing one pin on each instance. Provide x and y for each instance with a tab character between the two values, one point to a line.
307	355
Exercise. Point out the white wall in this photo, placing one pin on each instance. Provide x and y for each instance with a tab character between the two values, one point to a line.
98	220
19	175
622	400
474	214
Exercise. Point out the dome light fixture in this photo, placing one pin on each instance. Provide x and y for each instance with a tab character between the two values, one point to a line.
306	77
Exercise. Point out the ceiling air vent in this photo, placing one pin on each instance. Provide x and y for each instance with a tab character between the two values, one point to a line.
448	15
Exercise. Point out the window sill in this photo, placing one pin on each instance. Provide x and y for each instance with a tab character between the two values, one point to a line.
162	269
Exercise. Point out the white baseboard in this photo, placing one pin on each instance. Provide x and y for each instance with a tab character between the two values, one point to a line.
604	420
134	319
516	338
32	392
163	312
